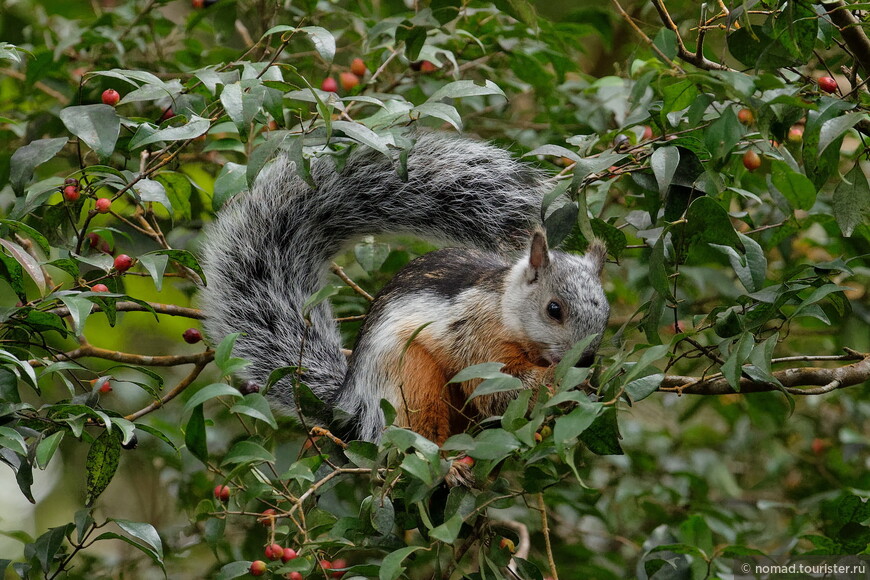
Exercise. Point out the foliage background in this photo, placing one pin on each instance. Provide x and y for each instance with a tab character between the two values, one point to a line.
711	477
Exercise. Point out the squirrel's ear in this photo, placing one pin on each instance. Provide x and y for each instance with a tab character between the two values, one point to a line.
597	254
539	255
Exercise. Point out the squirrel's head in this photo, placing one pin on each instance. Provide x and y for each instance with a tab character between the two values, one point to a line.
554	300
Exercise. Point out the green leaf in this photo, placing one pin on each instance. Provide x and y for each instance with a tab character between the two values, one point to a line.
156	266
324	42
149	190
142	531
391	566
101	464
195	127
834	128
851	201
570	426
459	89
230	181
13	440
28	263
732	369
723	134
79	308
443	111
210	392
98	126
364	135
256	406
184	258
46	448
247	452
449	530
27	158
640	389
602	437
795	187
194	435
664	163
46	546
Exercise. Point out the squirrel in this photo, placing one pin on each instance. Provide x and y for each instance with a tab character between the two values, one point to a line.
503	296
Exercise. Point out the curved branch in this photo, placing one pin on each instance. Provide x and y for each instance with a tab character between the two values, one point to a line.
87	350
185	382
798	381
169	309
851	30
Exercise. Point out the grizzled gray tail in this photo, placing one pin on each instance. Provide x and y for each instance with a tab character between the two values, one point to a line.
269	249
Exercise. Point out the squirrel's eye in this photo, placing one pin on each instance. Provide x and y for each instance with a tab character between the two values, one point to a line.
554	311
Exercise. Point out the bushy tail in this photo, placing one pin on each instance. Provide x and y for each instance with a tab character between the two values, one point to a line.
269	249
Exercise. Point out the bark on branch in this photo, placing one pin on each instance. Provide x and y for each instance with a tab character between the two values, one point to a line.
852	31
797	381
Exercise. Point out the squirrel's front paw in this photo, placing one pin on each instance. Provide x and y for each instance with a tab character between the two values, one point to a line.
460	472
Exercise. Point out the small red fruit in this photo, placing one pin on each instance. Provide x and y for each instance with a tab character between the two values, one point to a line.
288	554
340	564
647	132
469	461
258	568
99	288
111	97
751	160
507	544
358	67
538	437
348	80
267	518
106	387
329	85
796	133
274	552
167	114
198	4
103	205
98	243
427	67
819	445
192	336
123	262
326	564
745	116
222	493
828	84
71	193
294	576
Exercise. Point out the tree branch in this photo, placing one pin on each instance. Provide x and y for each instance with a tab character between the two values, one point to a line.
694	58
798	381
169	309
87	350
851	29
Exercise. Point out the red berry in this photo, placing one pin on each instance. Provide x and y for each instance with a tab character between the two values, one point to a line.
167	114
258	568
326	564
198	4
274	551
469	461
427	67
222	493
111	97
106	387
329	85
339	563
507	544
745	116
828	84
71	193
358	67
348	80
294	576
191	336
103	205
796	133
123	262
647	132
751	160
99	288
288	554
267	518
538	437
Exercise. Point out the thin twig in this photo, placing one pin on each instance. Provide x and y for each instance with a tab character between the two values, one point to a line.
186	382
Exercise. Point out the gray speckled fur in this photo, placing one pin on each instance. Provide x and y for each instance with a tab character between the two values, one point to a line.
268	251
